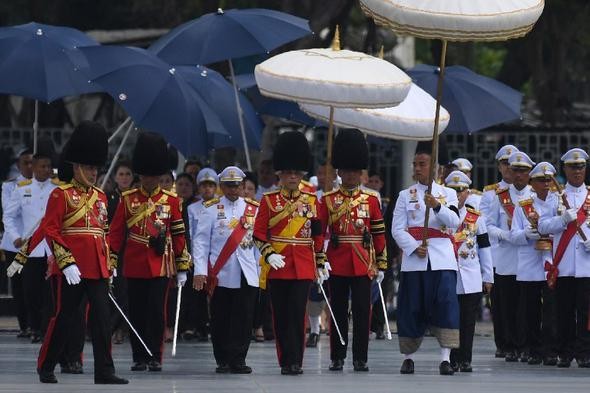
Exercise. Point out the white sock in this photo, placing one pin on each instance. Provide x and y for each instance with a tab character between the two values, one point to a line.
314	324
445	354
408	356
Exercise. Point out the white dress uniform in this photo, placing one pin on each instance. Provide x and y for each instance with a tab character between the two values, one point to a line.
27	206
213	230
8	188
475	267
572	289
409	212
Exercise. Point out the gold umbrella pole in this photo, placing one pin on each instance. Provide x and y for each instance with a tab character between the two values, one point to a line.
434	155
329	170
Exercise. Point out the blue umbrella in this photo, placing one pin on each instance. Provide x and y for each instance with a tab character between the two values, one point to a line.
287	110
225	35
474	101
218	93
154	95
35	62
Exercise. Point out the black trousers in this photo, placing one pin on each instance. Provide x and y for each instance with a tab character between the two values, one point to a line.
530	316
69	299
147	312
496	310
18	294
468	309
263	312
358	289
508	300
289	300
572	300
232	312
549	322
120	294
37	294
74	346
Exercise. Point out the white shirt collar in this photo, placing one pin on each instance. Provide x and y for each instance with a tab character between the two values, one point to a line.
570	188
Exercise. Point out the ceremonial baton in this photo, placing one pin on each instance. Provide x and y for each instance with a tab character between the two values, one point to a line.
384	311
178	298
130	325
332	314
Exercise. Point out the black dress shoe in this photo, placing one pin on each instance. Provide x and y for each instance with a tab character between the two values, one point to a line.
359	365
110	380
222	369
337	365
455	366
500	353
550	361
154	365
511	357
312	340
23	334
465	367
139	366
524	357
379	335
240	369
534	360
47	377
564	362
296	369
407	367
445	368
584	363
36	337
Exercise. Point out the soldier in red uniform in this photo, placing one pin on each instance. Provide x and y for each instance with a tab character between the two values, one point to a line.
151	220
283	231
356	250
75	227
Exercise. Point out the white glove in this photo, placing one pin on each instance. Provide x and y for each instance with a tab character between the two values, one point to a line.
114	273
379	277
531	233
569	215
503	235
276	261
14	268
180	278
586	244
72	273
324	273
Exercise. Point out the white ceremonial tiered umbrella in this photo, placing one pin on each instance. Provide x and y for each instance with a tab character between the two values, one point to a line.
332	77
413	119
454	20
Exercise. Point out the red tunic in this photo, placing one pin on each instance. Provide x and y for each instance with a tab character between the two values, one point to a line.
349	214
283	225
139	217
75	227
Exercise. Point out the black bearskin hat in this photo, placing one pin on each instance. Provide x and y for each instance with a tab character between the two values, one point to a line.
425	147
88	144
350	150
150	157
65	169
291	152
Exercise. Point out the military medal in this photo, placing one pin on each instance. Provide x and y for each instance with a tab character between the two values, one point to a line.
220	212
359	223
233	222
413	195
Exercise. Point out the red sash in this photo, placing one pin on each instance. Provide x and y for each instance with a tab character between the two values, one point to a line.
567	235
230	246
507	205
418	234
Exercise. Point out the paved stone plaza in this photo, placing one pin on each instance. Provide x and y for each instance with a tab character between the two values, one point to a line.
192	371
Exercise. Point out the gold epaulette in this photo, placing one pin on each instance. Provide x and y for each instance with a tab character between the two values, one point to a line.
272	192
252	202
170	193
473	211
57	182
474	191
491	187
131	191
23	183
526	202
370	192
100	191
307	183
211	202
65	186
331	192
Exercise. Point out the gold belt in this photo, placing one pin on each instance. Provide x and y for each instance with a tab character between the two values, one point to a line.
306	241
139	238
83	231
350	239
